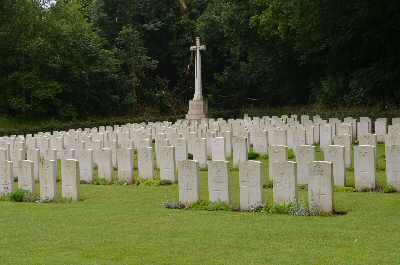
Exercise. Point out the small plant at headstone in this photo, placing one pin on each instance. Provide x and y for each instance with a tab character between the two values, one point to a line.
166	182
264	157
211	206
298	209
17	196
253	155
303	187
22	196
268	185
381	165
389	189
291	154
344	189
173	205
148	182
190	156
200	205
100	181
280	209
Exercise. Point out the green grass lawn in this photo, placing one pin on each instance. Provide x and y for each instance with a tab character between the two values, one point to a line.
117	224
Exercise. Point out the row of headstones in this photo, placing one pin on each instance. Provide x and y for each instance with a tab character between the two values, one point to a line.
305	154
70	179
365	159
259	138
320	186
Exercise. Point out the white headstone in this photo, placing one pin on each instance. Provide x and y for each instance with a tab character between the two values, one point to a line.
284	186
86	164
305	154
345	140
218	149
260	142
320	187
34	156
146	163
240	152
70	179
48	180
325	135
167	163
335	154
125	165
218	181
364	167
200	152
251	185
189	182
26	178
104	164
393	166
6	178
277	154
181	150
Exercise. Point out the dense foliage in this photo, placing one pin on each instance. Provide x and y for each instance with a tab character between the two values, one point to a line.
71	58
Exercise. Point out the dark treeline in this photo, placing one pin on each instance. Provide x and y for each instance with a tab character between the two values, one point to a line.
114	57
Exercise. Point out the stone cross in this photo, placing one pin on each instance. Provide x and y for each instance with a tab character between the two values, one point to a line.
198	95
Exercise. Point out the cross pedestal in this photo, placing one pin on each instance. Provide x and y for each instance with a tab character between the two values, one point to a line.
198	109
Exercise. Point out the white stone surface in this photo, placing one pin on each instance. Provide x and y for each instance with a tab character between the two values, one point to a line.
104	164
200	152
277	154
364	167
48	180
305	154
125	165
320	187
218	149
70	179
6	177
325	135
167	164
240	151
86	165
218	181
345	141
251	185
393	166
181	150
381	129
228	143
260	142
284	186
336	155
146	163
189	182
26	177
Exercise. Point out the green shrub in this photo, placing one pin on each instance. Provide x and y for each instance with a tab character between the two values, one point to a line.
173	205
345	189
101	181
268	185
389	189
21	196
148	182
291	154
252	155
200	205
165	182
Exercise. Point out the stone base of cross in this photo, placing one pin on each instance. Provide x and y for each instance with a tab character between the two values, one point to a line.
198	109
